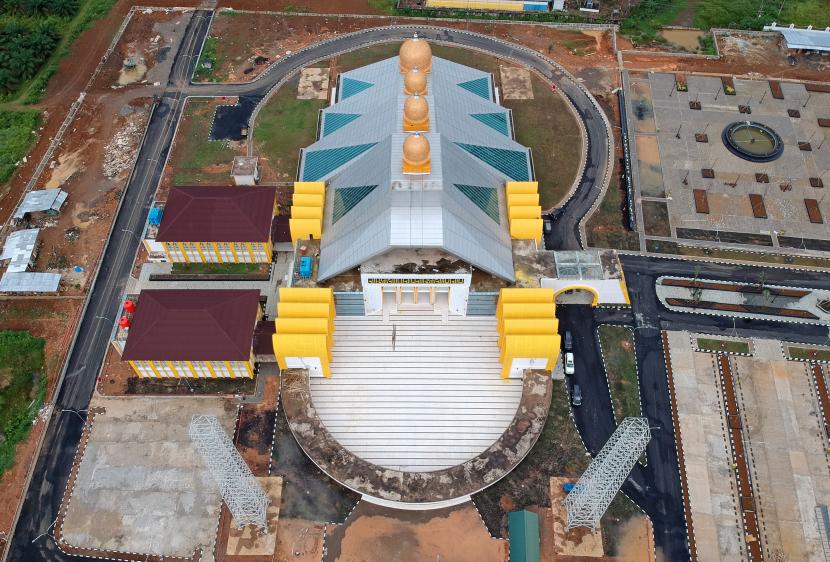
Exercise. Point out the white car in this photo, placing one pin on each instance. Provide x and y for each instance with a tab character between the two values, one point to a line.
569	363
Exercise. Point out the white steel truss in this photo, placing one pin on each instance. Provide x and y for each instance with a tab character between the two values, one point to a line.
243	495
595	490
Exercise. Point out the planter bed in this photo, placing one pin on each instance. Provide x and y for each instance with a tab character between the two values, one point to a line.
731	287
745	308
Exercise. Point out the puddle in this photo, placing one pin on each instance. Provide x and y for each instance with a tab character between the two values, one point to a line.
687	39
132	75
307	493
642	107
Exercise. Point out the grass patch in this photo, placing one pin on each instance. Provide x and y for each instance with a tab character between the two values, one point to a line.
218	268
284	126
656	218
208	60
385	6
646	19
665	247
17	135
617	344
196	159
606	227
22	389
808	353
187	386
369	55
716	345
753	14
558	452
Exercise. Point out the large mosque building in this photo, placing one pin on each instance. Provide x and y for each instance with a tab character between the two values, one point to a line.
412	165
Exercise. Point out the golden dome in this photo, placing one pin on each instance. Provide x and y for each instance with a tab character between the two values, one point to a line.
415	114
415	52
415	82
416	154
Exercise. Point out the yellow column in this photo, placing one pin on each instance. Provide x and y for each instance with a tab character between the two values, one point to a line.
216	251
192	370
210	368
230	369
250	252
233	251
250	369
167	252
173	368
153	367
181	248
135	368
199	249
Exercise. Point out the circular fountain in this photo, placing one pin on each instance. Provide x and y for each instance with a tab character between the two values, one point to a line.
752	141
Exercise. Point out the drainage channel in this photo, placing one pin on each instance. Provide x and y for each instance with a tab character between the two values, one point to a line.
747	499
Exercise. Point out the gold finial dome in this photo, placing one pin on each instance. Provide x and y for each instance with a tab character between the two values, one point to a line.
416	110
415	82
416	154
415	52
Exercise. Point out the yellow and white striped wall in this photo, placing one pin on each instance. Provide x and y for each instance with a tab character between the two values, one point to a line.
194	369
218	252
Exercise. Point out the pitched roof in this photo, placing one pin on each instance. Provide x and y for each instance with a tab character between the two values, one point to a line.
218	214
192	325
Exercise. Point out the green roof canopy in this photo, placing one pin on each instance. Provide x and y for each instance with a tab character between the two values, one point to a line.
523	528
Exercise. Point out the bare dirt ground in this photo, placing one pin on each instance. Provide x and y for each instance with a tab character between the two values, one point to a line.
310	6
372	533
742	55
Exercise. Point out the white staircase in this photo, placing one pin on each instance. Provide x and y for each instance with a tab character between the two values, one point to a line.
431	399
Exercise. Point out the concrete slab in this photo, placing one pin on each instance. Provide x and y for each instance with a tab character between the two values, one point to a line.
515	83
141	487
247	541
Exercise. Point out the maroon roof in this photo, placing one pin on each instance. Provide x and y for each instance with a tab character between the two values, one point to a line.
264	337
192	325
218	214
280	229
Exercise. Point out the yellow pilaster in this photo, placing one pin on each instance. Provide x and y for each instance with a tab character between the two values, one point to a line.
250	249
181	249
216	250
201	253
231	372
233	251
153	367
250	369
192	370
173	368
167	252
210	368
137	372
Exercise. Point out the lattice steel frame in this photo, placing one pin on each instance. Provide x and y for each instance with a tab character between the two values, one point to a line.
595	490
241	492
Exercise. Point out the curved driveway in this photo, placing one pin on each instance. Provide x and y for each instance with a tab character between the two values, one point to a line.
31	540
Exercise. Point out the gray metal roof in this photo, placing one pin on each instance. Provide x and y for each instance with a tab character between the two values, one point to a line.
803	38
415	211
18	248
41	200
29	282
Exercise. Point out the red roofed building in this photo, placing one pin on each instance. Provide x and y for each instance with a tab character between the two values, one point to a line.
193	333
218	225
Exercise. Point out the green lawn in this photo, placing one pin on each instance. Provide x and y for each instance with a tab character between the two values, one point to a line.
284	126
22	389
208	56
618	353
808	353
369	55
605	228
196	159
717	345
17	135
219	268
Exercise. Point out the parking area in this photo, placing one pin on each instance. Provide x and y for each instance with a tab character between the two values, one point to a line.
689	186
141	487
782	430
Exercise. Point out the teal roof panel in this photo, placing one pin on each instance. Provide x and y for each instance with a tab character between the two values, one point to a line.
523	529
485	198
478	86
318	163
496	121
351	86
346	198
511	163
334	121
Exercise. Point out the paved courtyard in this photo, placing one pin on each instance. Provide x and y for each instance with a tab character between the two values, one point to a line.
782	428
668	162
141	487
